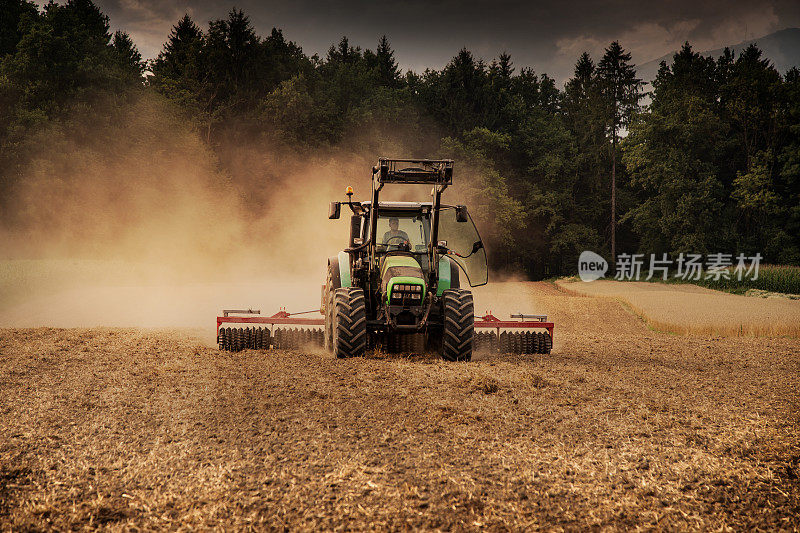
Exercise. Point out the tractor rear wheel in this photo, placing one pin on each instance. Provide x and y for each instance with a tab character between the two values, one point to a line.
327	298
349	322
459	325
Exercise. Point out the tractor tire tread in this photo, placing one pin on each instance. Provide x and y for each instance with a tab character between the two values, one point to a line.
459	325
349	322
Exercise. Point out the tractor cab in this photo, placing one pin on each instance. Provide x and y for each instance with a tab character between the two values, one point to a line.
404	228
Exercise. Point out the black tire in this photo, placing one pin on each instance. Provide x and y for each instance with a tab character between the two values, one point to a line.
349	323
459	325
327	341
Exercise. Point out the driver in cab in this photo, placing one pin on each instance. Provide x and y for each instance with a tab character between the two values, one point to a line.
395	236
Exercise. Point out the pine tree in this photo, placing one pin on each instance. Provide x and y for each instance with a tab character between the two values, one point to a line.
130	60
343	52
621	90
673	154
180	57
388	73
581	108
506	65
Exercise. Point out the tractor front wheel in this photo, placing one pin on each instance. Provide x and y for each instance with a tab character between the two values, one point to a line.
459	325
349	323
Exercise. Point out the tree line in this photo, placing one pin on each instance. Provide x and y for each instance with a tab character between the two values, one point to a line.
708	161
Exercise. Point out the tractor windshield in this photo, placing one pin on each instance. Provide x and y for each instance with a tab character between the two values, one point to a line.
464	240
395	229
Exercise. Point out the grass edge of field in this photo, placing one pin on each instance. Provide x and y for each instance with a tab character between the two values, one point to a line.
741	290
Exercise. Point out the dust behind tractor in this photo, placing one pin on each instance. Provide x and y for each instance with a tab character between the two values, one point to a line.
401	285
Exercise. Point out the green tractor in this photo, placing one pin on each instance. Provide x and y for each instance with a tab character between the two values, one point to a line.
401	284
398	284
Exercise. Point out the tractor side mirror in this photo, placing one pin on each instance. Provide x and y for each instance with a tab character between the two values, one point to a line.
355	229
461	214
335	210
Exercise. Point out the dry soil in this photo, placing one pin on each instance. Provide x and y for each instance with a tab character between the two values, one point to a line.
621	427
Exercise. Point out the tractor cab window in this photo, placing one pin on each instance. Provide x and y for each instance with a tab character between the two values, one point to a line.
395	230
463	239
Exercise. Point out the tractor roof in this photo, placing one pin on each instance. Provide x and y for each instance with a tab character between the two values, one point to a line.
411	171
363	208
410	206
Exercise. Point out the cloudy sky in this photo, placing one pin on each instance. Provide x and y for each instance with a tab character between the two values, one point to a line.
545	35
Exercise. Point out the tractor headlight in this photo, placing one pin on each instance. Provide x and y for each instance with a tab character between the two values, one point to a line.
406	293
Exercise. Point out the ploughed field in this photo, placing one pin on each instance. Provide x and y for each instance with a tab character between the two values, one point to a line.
621	426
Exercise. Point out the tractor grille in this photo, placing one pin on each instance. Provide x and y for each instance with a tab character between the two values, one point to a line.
406	294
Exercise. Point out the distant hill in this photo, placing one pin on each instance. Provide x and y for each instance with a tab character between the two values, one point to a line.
781	47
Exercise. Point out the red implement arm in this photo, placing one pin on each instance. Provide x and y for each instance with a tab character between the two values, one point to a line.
526	321
281	317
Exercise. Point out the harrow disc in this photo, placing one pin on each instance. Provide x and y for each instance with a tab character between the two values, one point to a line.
295	338
480	342
527	342
505	343
517	342
237	339
548	343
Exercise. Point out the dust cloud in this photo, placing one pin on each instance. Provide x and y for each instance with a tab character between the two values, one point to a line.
132	220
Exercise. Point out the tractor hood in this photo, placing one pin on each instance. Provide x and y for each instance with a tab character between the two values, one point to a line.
400	269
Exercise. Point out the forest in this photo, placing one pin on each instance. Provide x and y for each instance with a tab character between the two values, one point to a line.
706	160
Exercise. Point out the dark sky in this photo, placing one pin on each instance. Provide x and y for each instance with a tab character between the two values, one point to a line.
547	36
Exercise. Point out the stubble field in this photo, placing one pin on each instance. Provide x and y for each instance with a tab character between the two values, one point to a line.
687	308
620	427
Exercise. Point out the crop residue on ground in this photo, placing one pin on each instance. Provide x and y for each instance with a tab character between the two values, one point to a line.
621	427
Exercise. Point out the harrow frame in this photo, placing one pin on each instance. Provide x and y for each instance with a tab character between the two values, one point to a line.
281	317
511	341
519	342
526	321
235	339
